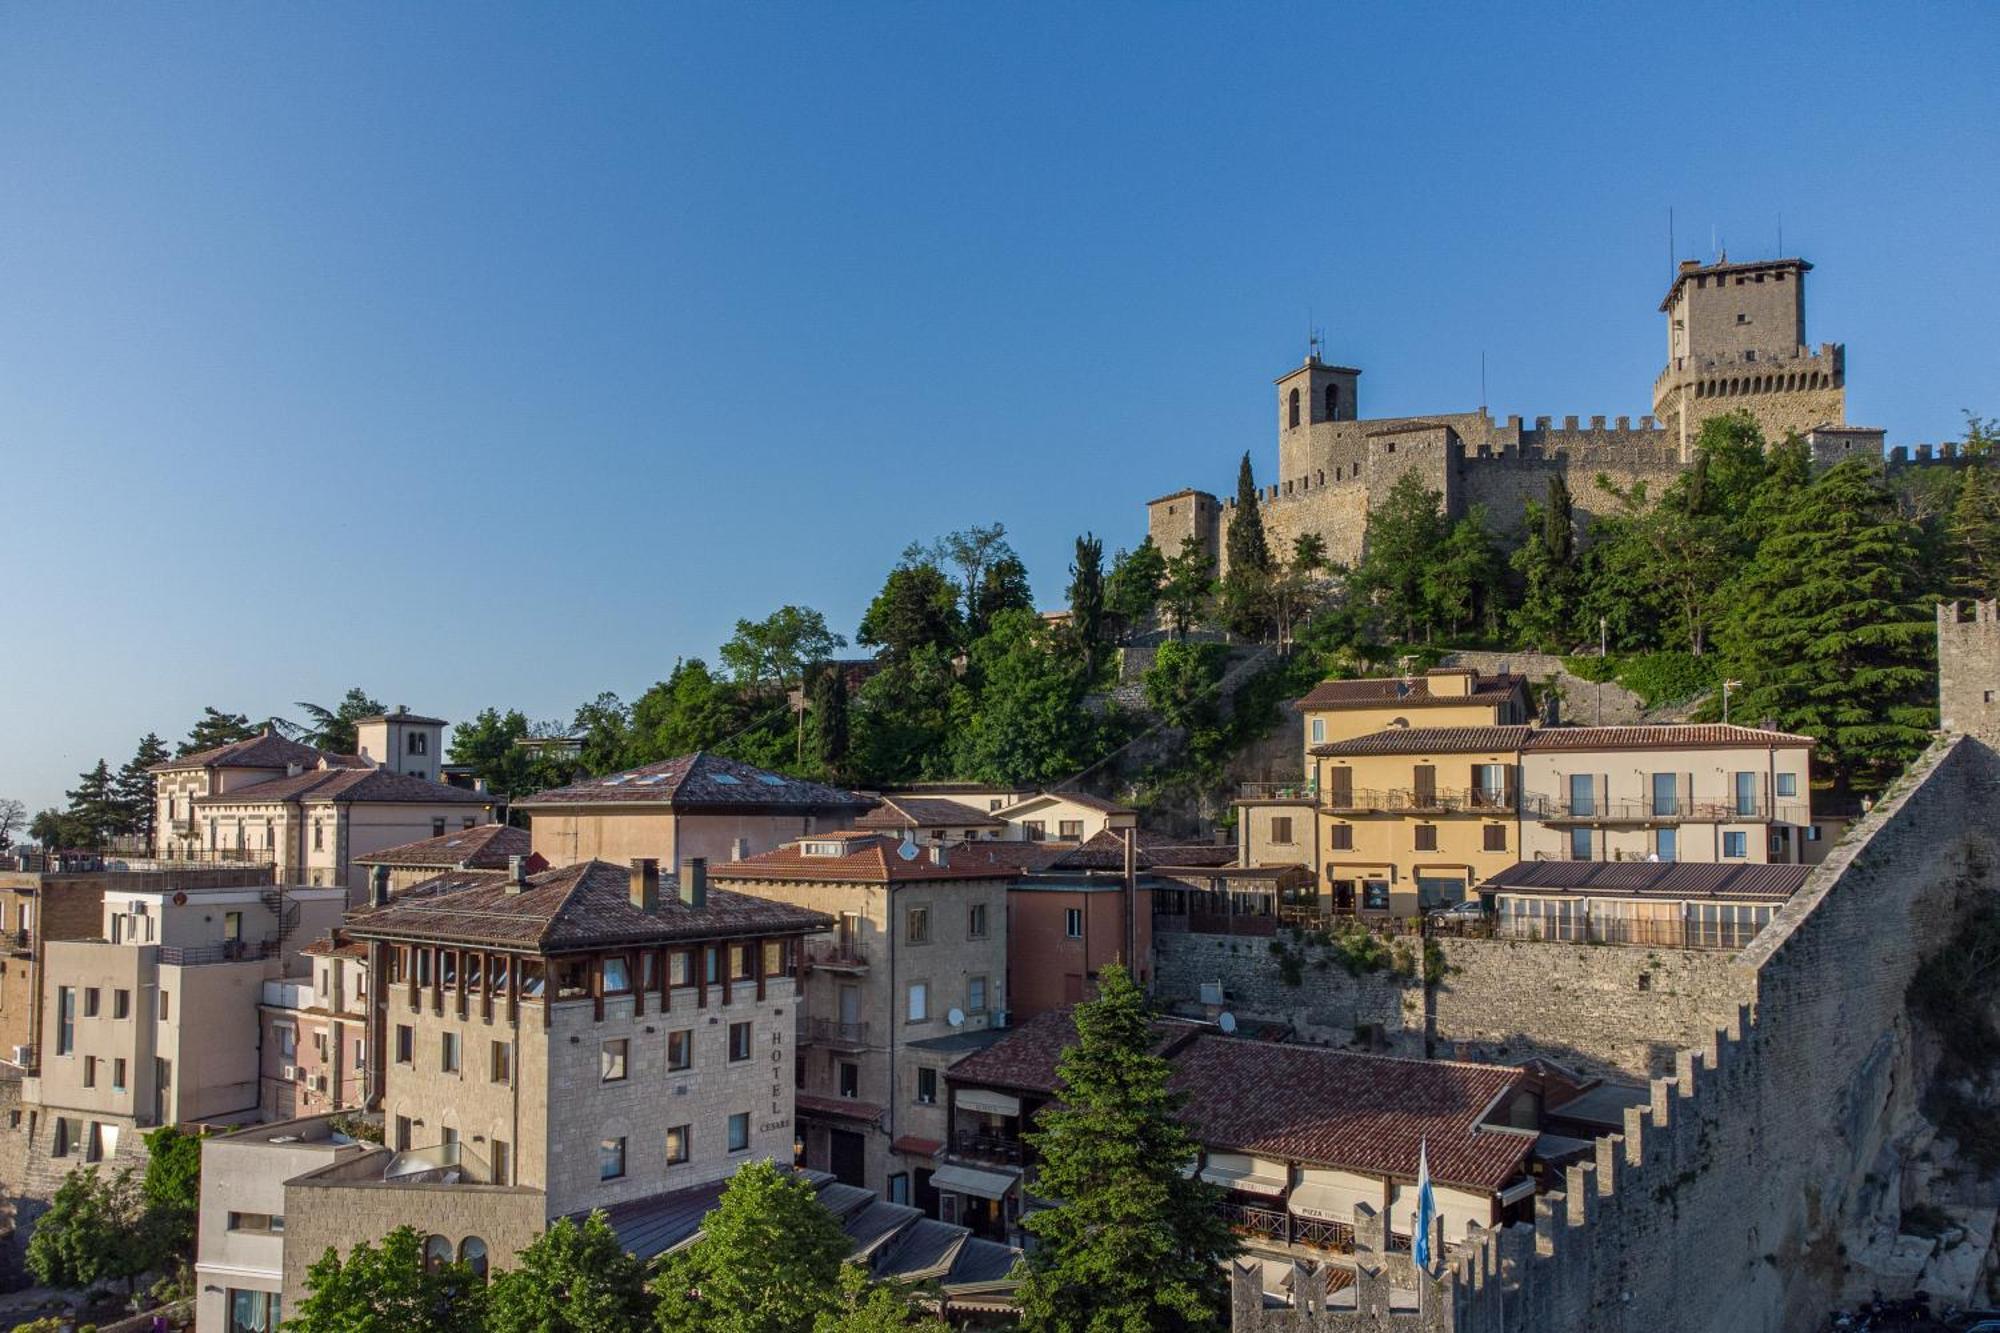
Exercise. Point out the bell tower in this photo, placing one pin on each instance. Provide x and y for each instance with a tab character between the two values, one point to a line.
1317	392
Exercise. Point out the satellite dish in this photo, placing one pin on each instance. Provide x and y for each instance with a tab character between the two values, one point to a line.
908	850
956	1018
1227	1022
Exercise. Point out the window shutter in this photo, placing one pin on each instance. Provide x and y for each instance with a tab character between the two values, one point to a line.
1340	786
1509	790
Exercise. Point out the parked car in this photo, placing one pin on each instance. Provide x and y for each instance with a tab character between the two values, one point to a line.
1459	914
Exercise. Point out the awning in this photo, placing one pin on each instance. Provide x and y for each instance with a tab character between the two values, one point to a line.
1252	1175
993	1103
1326	1203
981	1184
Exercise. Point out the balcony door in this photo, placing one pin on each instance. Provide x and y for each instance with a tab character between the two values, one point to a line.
850	1007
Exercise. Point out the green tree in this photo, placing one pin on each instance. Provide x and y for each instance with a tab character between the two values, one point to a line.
1189	588
217	728
172	1186
1133	589
94	1231
491	745
768	1260
1974	536
1546	563
902	718
94	812
13	820
869	1307
1246	587
776	650
1462	582
1003	586
1135	1242
694	709
1830	636
1401	542
389	1289
332	729
603	732
832	737
917	608
134	789
1184	687
56	829
572	1279
1027	725
1086	601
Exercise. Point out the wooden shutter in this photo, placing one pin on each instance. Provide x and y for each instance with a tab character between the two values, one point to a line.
1340	786
1425	780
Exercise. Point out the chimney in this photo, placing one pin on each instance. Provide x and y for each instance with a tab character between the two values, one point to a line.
694	881
378	887
517	874
939	856
646	884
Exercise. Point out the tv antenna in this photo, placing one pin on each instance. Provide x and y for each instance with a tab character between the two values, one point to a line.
1227	1022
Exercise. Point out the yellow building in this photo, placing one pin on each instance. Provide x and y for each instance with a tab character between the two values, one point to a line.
1338	710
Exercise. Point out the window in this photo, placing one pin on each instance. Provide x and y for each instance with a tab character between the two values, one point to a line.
1034	830
503	1161
1666	794
121	1004
611	1060
437	828
1582	794
502	1066
739	1132
1496	838
1319	731
260	1223
1073	923
975	995
118	1074
1281	829
254	1311
437	1252
847	1076
1788	783
1746	794
917	926
739	962
739	1042
1070	830
617	976
899	1187
975	921
472	1253
680	1049
678	1145
65	1020
920	1001
448	1053
610	1158
927	1086
1292	414
1579	844
288	1042
319	837
680	969
1340	837
405	1041
232	926
89	1071
1332	402
1666	844
402	1133
91	997
1427	837
1735	845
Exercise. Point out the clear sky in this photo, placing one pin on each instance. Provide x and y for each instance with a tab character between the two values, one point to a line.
501	355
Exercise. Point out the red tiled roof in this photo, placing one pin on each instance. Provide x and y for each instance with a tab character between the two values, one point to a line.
1016	856
1105	850
910	1143
1668	735
1428	740
265	750
326	946
1025	1059
485	847
577	907
1356	1112
1084	799
349	785
901	812
1375	691
869	858
702	781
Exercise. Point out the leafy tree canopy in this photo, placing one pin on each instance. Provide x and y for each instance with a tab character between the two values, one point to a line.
572	1279
332	729
768	1260
387	1289
777	649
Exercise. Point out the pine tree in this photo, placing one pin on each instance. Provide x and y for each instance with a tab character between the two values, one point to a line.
1086	600
1546	562
572	1279
94	811
134	789
217	728
1134	1242
1974	536
831	736
1829	634
768	1260
332	729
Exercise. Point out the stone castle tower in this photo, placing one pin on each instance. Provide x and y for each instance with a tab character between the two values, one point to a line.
1735	341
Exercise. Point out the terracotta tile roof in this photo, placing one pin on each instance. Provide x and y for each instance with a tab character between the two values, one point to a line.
1375	691
1079	798
1025	1060
702	781
901	812
326	946
1651	879
1671	735
867	858
910	1143
1340	1109
576	907
266	750
349	785
1429	740
1105	850
485	847
1021	857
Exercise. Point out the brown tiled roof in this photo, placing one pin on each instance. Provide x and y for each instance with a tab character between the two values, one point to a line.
485	847
1668	735
1105	850
868	858
1025	1059
266	750
349	785
1375	691
701	781
1356	1112
921	1147
327	946
901	812
1015	855
1084	799
1651	879
1429	740
577	907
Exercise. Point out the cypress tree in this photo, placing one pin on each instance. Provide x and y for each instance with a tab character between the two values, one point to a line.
1133	1243
1828	632
1248	548
1974	535
829	710
1086	600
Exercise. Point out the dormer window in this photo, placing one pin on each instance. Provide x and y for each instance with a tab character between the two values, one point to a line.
829	848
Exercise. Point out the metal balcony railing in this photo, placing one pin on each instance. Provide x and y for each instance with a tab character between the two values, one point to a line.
1003	1148
835	954
1277	791
228	951
831	1032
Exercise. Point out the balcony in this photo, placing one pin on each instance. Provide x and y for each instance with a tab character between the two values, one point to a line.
1442	801
832	1034
20	941
229	951
1677	811
1277	791
1003	1149
837	955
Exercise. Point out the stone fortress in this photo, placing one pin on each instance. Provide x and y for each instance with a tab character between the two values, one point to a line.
1736	340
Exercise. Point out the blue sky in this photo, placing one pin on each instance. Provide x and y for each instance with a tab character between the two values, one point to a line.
503	354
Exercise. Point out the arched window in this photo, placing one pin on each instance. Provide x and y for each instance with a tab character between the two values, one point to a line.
472	1253
1333	402
437	1252
1295	410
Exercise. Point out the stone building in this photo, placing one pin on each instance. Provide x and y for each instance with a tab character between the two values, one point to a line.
1736	336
